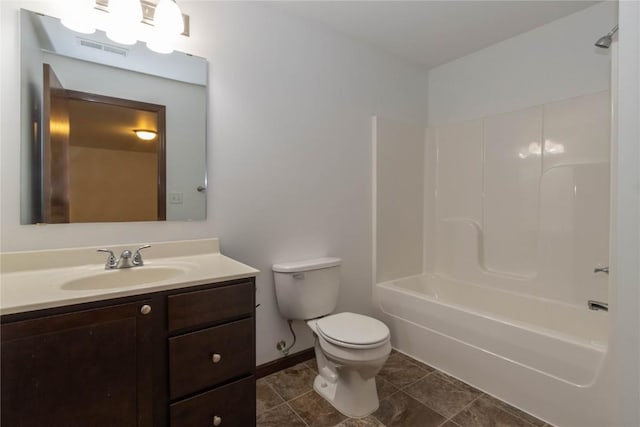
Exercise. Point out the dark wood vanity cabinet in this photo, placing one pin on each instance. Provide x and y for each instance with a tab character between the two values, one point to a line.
86	367
212	356
177	358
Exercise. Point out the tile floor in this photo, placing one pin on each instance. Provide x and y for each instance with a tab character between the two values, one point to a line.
411	394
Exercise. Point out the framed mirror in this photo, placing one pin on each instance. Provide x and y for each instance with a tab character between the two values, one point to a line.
87	105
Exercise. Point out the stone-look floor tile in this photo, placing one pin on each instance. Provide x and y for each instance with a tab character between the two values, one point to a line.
483	413
279	416
292	382
361	422
401	370
266	397
311	364
515	411
457	382
449	424
414	361
385	388
315	411
401	410
441	395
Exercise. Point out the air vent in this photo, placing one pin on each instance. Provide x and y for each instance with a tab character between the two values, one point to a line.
91	44
116	50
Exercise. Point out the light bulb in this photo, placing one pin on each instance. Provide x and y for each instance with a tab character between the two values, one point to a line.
168	17
124	19
160	44
77	16
168	25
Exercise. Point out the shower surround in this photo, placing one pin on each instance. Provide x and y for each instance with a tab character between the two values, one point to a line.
487	276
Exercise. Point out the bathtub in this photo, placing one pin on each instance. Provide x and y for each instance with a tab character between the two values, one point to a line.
541	356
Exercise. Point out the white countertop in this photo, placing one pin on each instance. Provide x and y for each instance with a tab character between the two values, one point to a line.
39	279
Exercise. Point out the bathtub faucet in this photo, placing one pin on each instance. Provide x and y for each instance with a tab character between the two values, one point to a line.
598	305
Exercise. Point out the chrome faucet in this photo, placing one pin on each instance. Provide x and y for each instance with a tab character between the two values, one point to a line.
601	270
597	305
126	259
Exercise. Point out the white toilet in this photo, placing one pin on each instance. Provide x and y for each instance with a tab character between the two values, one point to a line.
350	348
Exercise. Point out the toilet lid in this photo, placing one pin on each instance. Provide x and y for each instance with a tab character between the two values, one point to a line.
352	329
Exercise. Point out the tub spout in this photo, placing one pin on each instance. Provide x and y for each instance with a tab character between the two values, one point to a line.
601	270
598	305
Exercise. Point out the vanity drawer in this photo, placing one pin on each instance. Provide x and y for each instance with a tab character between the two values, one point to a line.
205	358
195	308
231	405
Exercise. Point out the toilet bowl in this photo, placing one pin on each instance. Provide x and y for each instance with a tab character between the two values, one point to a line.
350	348
350	351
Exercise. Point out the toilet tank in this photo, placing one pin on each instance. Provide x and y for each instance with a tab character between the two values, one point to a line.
307	289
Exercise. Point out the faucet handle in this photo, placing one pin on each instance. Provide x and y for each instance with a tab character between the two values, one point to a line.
137	257
111	259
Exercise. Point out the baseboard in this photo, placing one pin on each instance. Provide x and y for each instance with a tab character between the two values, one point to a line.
284	362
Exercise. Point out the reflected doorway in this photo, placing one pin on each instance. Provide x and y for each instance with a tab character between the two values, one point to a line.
95	166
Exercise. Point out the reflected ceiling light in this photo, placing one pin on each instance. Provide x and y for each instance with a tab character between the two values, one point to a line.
124	19
145	134
169	24
77	16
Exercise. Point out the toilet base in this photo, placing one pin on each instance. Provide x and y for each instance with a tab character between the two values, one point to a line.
349	394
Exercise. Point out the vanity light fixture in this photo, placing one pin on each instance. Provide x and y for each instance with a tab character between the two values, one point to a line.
168	26
145	134
76	16
125	16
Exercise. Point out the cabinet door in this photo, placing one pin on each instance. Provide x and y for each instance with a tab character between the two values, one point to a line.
84	368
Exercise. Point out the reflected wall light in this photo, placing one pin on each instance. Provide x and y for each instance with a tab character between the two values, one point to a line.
145	134
125	16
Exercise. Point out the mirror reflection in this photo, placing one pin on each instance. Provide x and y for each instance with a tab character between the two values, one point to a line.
104	138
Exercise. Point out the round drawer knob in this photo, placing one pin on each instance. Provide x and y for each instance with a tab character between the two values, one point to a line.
217	420
215	358
145	309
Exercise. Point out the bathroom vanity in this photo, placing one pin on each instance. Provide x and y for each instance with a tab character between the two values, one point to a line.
173	352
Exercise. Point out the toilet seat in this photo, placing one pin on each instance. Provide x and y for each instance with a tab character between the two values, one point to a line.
352	330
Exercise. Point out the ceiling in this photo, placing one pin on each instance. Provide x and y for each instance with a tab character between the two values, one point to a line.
431	33
110	127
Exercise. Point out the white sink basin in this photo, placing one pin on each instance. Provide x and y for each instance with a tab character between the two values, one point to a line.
121	278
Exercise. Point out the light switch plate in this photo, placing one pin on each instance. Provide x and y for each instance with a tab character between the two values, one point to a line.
175	198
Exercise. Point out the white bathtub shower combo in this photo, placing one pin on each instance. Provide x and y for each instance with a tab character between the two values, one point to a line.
485	267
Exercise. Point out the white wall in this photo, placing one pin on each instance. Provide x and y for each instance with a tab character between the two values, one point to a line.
625	231
550	63
291	173
289	153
